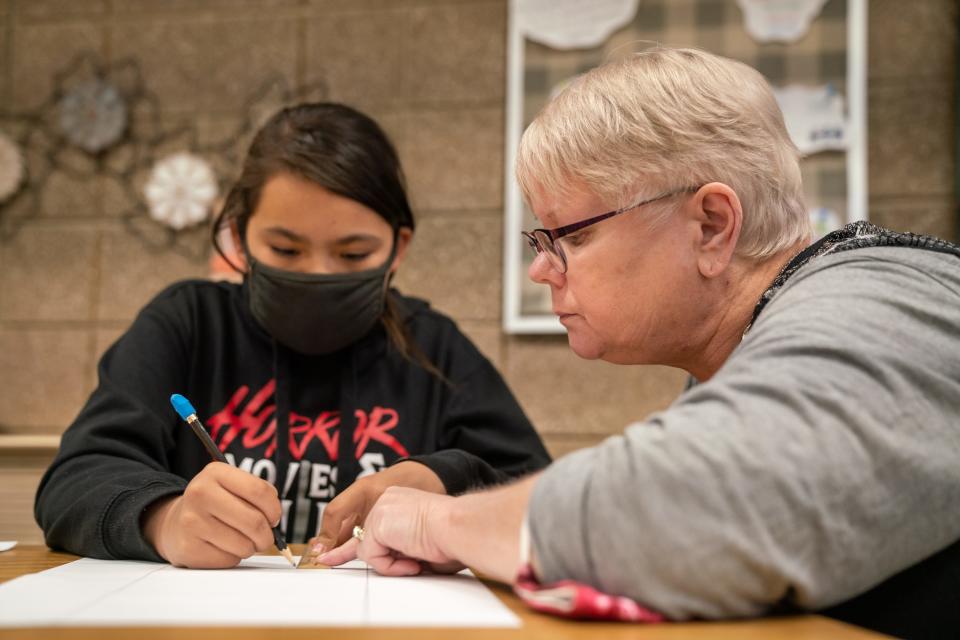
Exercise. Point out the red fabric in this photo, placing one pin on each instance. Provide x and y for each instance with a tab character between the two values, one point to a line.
570	599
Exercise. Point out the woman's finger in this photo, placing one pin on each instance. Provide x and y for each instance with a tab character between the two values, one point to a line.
344	553
385	560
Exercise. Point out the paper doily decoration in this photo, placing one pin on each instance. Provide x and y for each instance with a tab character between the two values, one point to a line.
180	190
12	169
815	117
779	20
572	24
93	115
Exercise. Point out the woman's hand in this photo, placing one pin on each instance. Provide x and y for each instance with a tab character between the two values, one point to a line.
224	515
402	535
408	530
352	506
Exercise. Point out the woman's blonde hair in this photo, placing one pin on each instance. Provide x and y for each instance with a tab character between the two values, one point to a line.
665	119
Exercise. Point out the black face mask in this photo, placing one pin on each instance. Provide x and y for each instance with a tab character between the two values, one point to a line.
316	314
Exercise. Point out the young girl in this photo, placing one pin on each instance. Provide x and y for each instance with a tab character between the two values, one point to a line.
312	376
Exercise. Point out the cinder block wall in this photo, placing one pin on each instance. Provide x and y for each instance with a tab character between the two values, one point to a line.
433	73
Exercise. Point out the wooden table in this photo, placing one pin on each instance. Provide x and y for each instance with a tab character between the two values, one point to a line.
29	559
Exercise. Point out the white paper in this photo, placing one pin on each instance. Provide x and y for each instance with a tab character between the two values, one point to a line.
262	591
814	117
779	20
454	601
6	545
572	24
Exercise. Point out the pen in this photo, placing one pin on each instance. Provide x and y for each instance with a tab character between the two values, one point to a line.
189	414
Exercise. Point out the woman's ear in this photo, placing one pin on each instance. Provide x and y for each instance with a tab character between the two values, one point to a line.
404	236
719	217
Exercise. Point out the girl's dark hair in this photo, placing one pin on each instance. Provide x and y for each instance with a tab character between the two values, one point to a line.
343	151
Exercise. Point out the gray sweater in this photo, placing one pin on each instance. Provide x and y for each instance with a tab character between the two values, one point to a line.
821	459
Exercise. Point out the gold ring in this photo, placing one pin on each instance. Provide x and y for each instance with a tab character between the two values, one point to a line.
358	533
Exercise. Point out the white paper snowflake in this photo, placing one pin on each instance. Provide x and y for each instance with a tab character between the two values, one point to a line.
12	170
815	117
93	115
779	20
180	190
572	24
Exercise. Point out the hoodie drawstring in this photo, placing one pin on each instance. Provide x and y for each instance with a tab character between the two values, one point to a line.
347	466
281	452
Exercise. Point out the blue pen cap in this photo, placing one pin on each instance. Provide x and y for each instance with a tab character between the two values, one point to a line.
182	406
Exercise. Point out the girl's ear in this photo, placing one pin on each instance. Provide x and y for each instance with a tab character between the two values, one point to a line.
404	236
235	251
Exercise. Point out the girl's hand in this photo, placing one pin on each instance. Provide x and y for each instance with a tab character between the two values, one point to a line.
224	515
402	535
352	506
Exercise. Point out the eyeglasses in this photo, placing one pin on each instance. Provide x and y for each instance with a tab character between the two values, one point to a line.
546	240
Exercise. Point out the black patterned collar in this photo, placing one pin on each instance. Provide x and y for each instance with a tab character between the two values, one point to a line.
856	235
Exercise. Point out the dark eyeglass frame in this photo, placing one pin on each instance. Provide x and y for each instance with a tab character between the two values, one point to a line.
540	239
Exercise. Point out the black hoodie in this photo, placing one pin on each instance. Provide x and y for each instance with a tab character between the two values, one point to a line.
127	447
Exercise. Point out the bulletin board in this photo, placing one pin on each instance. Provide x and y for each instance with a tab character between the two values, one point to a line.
831	54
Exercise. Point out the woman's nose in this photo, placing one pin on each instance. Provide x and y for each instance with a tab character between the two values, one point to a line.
542	271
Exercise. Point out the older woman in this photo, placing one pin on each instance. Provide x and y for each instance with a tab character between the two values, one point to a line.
816	456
